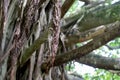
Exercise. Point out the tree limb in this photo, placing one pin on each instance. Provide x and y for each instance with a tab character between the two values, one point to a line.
36	45
112	32
94	18
84	36
65	7
98	61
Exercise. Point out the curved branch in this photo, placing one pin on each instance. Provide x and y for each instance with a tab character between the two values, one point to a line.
98	61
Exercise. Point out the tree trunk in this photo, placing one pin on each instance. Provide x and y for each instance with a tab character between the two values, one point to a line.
29	38
23	22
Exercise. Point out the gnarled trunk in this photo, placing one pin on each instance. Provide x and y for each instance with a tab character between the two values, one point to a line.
30	34
23	23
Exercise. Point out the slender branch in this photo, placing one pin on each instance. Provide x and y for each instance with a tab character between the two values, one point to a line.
112	48
94	4
36	45
98	61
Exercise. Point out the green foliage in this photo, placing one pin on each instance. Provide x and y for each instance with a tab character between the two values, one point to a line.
70	66
63	1
108	1
101	75
79	44
115	42
74	6
73	9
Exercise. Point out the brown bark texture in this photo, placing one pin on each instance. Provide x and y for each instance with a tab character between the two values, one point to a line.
35	43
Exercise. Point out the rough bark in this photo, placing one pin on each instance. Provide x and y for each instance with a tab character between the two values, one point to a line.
30	34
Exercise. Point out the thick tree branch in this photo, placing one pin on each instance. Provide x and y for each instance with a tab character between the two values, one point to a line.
65	7
112	32
98	61
84	36
94	18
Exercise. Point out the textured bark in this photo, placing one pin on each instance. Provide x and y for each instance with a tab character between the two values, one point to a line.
31	39
56	28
